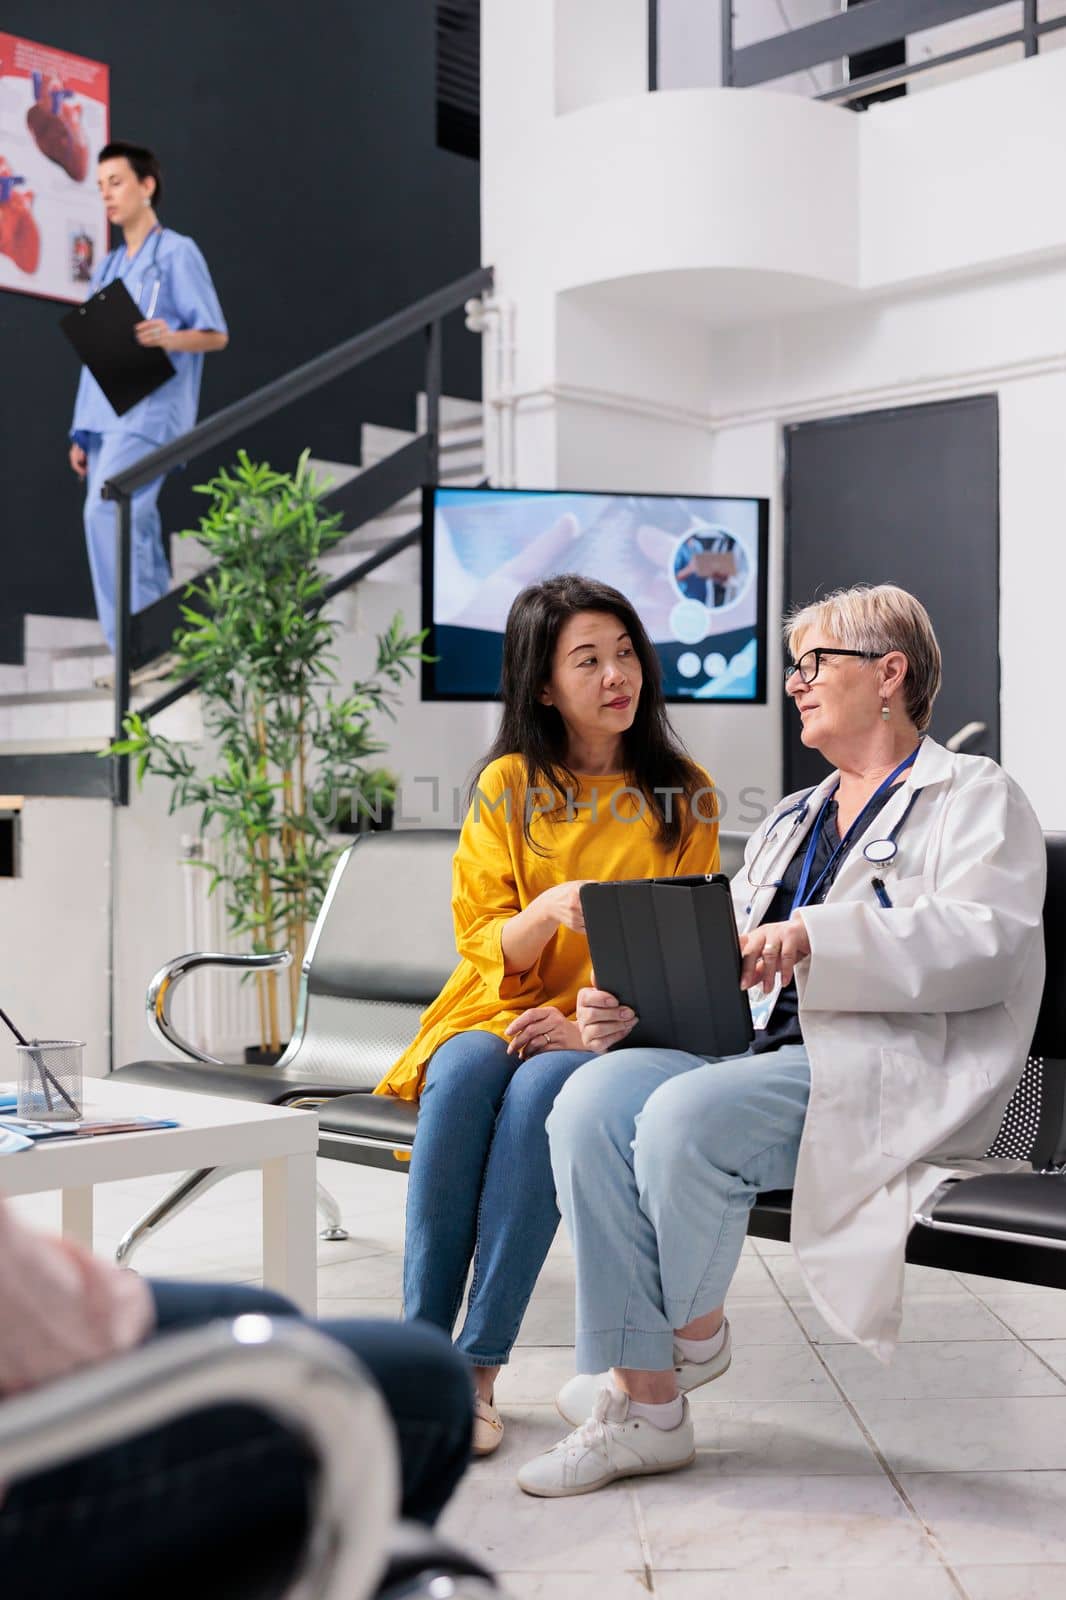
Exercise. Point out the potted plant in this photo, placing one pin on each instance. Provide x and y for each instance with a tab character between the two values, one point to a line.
368	806
280	733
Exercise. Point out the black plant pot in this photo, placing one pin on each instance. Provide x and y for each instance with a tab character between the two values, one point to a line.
364	822
254	1056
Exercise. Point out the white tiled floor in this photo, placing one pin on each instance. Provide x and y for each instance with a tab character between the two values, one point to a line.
819	1474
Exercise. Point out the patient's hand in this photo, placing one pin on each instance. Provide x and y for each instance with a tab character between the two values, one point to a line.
562	904
539	1029
601	1020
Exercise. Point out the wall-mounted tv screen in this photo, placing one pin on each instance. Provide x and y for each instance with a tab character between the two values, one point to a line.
693	566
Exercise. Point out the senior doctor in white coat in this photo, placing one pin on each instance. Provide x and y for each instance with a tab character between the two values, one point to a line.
892	940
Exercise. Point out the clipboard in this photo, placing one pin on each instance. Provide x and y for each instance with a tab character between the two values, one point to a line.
668	947
101	331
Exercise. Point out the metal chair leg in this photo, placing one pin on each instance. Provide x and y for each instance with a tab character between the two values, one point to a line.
171	1205
190	1188
330	1212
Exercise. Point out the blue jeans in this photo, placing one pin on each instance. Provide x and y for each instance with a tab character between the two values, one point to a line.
110	453
216	1502
658	1159
481	1189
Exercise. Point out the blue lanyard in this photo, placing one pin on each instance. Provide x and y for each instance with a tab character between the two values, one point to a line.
804	895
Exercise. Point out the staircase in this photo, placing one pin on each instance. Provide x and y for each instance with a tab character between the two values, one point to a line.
462	461
53	706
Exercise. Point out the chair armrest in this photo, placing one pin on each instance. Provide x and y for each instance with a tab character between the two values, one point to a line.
304	1380
419	1558
161	992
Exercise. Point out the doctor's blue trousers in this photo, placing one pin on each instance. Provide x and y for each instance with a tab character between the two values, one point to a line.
109	454
659	1157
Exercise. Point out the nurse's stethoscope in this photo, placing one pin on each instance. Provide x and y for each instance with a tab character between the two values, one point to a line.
114	261
879	852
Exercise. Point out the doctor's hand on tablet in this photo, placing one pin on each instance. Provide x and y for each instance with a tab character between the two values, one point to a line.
601	1020
772	949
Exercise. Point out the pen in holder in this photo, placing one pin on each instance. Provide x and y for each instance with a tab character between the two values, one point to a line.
49	1076
50	1079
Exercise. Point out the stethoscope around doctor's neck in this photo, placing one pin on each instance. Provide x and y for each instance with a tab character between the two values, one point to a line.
880	853
114	262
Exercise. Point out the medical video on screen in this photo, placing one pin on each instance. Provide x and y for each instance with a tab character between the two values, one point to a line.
692	566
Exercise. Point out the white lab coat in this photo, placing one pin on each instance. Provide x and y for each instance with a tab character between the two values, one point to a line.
917	1020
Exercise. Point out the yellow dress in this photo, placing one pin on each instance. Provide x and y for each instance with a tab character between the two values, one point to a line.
495	875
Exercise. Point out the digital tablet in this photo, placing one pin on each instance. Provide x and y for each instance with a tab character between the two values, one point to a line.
668	948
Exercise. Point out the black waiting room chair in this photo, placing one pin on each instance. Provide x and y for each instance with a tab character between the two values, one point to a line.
383	946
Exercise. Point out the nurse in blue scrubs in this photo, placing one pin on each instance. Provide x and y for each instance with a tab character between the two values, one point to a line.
168	278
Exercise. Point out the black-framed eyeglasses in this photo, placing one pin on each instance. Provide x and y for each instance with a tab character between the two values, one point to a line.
810	662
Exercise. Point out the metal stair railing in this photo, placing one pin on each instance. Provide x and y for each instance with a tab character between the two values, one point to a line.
365	497
852	32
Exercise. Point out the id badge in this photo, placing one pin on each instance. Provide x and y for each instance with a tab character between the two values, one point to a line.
762	1004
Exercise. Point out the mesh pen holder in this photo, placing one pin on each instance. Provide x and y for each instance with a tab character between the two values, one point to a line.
50	1080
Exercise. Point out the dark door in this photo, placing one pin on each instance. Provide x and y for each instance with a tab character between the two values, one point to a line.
908	497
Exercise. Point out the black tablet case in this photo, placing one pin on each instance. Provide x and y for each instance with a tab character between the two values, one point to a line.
101	331
668	947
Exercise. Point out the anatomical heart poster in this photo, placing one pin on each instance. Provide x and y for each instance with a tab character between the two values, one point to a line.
53	122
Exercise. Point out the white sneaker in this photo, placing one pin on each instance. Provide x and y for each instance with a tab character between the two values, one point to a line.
576	1398
610	1444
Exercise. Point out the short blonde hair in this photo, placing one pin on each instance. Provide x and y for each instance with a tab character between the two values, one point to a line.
879	618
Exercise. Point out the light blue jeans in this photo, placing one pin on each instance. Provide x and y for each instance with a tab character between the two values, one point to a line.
658	1158
110	454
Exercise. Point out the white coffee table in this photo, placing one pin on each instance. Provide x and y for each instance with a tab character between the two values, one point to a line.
214	1132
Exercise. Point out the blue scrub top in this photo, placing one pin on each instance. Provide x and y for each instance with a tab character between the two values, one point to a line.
186	298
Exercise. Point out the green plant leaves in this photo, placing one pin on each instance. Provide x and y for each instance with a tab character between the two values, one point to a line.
280	734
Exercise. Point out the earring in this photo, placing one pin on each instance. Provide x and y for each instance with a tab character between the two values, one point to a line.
885	712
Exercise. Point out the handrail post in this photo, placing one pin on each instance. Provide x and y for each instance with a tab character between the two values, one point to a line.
433	383
1029	27
727	44
653	45
120	770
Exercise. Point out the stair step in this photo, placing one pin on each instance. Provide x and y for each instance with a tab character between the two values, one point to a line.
78	652
59	633
378	440
44	697
60	745
71	673
454	412
13	680
404	567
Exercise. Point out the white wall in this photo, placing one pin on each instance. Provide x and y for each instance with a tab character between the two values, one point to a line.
958	179
1005	336
1033	583
432	746
691	271
600	51
54	920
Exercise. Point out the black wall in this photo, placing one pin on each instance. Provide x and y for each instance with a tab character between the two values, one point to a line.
298	147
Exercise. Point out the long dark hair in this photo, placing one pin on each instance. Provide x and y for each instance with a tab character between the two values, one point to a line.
654	758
